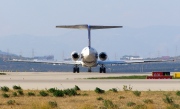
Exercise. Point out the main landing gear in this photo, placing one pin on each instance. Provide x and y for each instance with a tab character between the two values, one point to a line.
76	69
102	69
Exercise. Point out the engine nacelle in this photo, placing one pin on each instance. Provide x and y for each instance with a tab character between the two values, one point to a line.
75	56
102	56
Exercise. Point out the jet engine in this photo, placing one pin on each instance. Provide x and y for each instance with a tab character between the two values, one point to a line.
75	56
102	56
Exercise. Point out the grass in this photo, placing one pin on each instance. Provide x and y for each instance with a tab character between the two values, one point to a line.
11	102
178	93
20	92
127	88
122	77
14	94
53	104
137	93
121	97
125	77
130	104
99	98
108	104
2	73
148	101
91	100
168	99
31	94
113	90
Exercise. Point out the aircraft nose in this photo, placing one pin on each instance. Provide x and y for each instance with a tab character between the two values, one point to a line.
88	53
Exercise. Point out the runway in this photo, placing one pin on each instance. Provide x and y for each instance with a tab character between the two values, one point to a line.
64	80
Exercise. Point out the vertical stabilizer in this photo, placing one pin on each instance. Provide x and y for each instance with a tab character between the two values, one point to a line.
88	27
89	36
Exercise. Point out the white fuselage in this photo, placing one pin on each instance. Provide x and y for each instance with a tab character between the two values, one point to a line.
89	57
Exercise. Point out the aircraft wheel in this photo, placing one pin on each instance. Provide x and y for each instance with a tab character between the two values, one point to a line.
100	70
104	70
77	69
89	70
74	70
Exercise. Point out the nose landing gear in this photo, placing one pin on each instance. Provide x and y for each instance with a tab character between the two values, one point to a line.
89	69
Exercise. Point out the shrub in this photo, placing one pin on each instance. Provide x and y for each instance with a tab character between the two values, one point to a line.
148	101
58	93
98	90
121	97
76	88
2	73
173	106
5	89
176	106
137	93
52	90
11	102
70	92
178	93
99	98
109	104
85	94
140	106
53	104
113	90
43	93
5	95
168	100
31	94
14	94
126	88
129	104
20	92
16	87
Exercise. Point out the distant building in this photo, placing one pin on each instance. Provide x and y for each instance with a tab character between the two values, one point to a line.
49	58
165	57
68	59
131	57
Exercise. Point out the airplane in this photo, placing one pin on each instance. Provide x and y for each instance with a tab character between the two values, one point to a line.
89	56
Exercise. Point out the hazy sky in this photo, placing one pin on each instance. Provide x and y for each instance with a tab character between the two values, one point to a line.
30	24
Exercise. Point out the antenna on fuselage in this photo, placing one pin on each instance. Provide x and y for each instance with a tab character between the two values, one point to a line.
88	27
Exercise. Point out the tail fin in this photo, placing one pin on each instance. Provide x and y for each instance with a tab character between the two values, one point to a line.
88	27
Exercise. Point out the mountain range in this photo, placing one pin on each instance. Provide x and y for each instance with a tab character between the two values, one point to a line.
153	41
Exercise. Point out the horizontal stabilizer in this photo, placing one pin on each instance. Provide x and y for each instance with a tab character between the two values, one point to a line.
87	26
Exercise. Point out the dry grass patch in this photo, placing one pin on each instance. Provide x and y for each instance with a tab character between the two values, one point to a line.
90	100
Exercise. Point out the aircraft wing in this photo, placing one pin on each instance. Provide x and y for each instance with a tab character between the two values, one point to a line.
99	62
48	62
131	61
